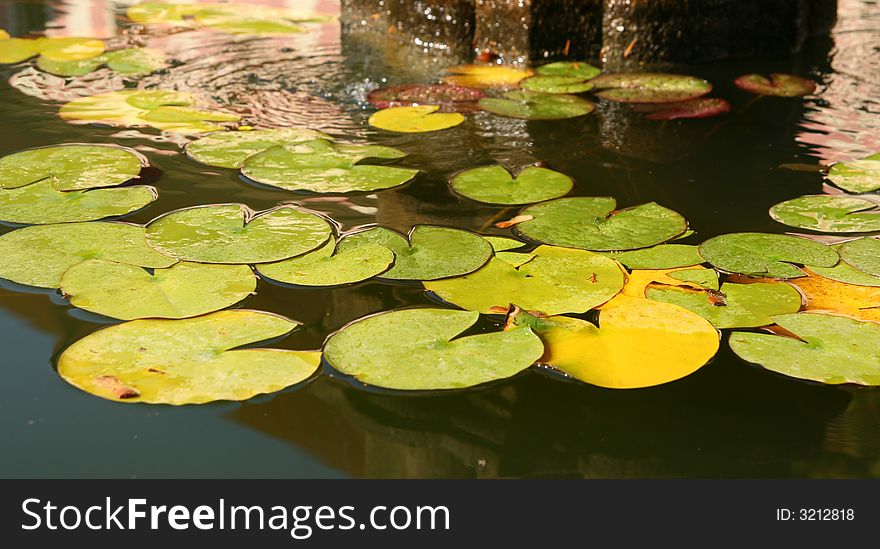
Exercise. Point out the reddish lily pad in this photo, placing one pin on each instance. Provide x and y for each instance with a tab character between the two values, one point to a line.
780	85
450	98
650	87
701	107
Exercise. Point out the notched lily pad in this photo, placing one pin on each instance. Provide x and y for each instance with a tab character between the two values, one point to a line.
701	107
860	176
70	167
422	349
537	106
862	254
650	87
829	214
230	149
495	185
448	97
770	255
326	267
780	85
661	256
424	118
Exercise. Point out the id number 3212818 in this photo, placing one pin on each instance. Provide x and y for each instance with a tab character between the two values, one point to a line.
831	514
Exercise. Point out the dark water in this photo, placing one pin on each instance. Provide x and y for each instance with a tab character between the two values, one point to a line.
727	420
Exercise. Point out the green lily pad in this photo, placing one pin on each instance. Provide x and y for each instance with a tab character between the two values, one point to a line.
861	176
537	106
16	50
593	224
76	67
414	350
829	214
863	254
550	280
555	84
136	61
780	85
738	306
650	87
189	361
842	272
70	167
503	243
38	256
495	185
128	292
766	255
235	234
323	267
251	26
707	278
661	256
230	149
830	349
569	69
40	204
429	253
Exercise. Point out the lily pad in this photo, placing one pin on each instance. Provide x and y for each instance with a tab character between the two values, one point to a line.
537	106
705	278
78	67
861	176
556	84
38	256
640	343
326	167
569	69
503	243
701	107
770	255
16	50
842	272
69	48
429	253
593	224
70	167
323	267
448	97
697	277
235	234
825	295
128	292
136	61
189	361
829	349
650	87
780	85
487	76
251	26
550	280
424	118
661	256
829	214
230	149
420	349
863	254
495	185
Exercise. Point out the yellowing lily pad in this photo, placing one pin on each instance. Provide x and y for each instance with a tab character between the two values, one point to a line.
503	243
495	185
862	254
128	292
16	50
235	234
530	105
649	87
421	349
780	85
825	348
661	256
829	214
770	255
230	149
860	176
326	267
826	295
189	361
70	167
639	279
38	256
550	280
487	76
594	224
423	118
70	48
639	343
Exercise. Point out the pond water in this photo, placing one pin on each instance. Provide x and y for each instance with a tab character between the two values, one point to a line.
729	419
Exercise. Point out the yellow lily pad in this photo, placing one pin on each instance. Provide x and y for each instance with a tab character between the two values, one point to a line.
487	76
424	118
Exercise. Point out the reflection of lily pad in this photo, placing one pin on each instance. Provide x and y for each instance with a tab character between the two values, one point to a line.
189	361
860	176
424	118
649	87
235	234
863	254
231	149
486	76
661	256
781	85
593	224
323	267
326	167
829	214
639	343
448	97
69	167
414	349
495	185
537	106
829	349
430	253
770	255
700	107
183	290
38	256
550	280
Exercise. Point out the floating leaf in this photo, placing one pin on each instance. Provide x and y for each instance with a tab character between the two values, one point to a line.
235	234
429	253
771	255
638	280
860	176
69	68
420	119
419	349
640	343
780	85
69	167
649	87
487	76
550	280
250	26
495	185
162	12
187	361
537	106
230	149
136	61
69	48
842	272
824	294
863	254
593	224
503	243
828	349
705	278
701	107
829	214
233	18
16	50
661	256
128	292
448	97
323	267
556	84
38	256
326	167
569	69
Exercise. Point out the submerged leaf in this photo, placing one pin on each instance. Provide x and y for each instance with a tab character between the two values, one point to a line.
649	87
70	167
486	76
701	107
829	214
860	176
230	149
326	267
495	185
863	254
448	97
780	85
424	118
771	255
537	106
661	256
419	349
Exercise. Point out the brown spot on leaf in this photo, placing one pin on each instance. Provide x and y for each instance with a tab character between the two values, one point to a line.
119	389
